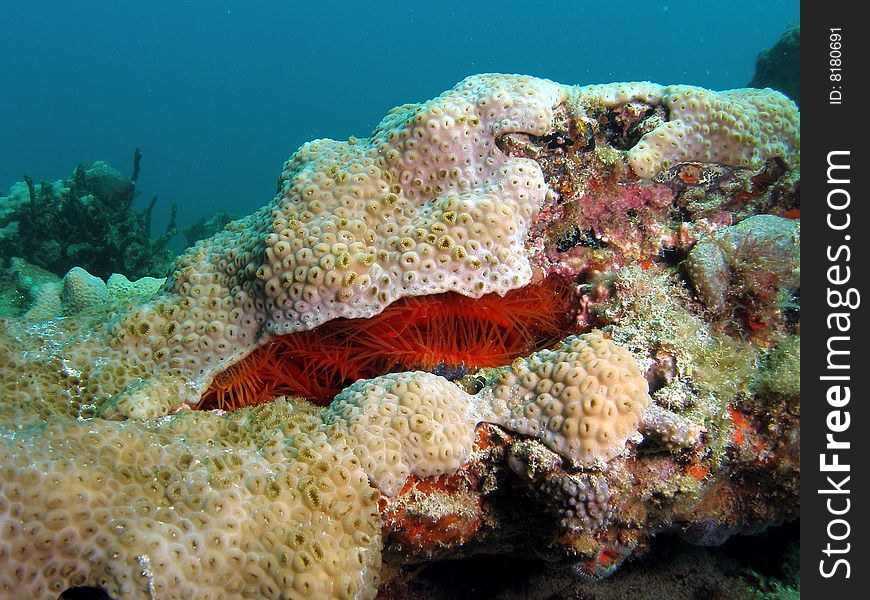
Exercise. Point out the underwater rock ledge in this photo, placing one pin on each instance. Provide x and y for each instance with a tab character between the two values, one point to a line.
668	402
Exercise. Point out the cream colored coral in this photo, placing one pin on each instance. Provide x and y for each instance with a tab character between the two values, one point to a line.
614	94
83	291
257	504
148	398
122	289
584	400
406	423
739	128
426	205
46	301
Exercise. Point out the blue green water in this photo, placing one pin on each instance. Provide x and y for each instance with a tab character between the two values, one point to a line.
218	94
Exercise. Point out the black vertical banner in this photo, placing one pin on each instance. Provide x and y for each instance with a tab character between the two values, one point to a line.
835	295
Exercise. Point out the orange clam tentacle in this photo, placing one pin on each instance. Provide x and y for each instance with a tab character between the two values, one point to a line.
422	332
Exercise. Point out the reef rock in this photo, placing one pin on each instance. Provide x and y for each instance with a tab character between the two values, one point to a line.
755	263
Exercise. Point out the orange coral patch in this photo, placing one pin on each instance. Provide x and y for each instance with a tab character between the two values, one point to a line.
741	424
699	472
444	510
425	535
690	174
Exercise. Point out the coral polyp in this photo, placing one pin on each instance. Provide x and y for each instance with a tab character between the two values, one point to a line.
446	332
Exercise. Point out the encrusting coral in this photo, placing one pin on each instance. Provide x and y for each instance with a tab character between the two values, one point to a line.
741	128
458	206
584	399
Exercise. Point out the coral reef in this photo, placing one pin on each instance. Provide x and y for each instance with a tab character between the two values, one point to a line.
92	224
636	408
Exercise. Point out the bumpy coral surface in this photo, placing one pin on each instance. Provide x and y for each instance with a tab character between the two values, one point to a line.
82	291
647	415
146	509
742	128
411	423
585	399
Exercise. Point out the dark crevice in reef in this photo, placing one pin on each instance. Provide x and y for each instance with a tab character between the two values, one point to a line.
574	237
84	593
743	568
624	125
